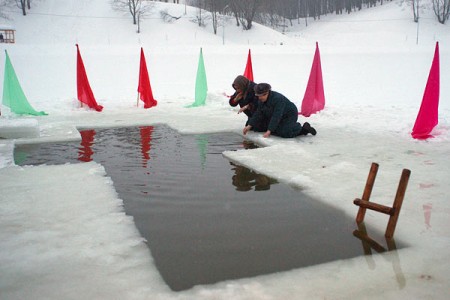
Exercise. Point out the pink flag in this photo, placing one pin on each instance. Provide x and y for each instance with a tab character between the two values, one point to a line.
314	99
248	73
427	118
84	91
144	88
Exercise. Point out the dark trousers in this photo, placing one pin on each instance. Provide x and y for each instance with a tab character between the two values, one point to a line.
288	127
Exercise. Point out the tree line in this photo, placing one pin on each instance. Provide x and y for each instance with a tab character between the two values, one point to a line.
267	12
282	12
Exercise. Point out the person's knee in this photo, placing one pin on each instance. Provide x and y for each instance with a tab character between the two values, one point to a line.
288	131
283	133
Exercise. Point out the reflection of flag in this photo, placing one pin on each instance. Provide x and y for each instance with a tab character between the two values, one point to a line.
201	86
427	213
84	91
87	140
248	68
427	118
13	95
144	87
146	139
314	99
202	143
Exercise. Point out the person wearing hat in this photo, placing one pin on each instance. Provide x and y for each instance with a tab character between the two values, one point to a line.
244	96
276	115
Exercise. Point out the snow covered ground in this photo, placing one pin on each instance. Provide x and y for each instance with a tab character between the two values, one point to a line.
63	230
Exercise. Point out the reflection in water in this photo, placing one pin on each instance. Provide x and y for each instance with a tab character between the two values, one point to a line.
369	243
202	144
249	145
146	139
244	179
19	157
85	151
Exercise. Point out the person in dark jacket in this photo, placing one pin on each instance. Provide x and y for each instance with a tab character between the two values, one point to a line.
244	96
276	115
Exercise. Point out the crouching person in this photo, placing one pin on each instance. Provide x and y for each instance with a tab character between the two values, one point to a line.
244	96
276	115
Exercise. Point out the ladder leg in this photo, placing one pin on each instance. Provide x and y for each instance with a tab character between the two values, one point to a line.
401	190
367	191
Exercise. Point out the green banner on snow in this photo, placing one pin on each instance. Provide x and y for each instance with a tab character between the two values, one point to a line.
13	95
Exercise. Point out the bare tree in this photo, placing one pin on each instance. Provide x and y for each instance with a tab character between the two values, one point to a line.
245	11
306	12
22	4
200	18
441	10
415	6
215	7
132	6
235	9
136	8
275	14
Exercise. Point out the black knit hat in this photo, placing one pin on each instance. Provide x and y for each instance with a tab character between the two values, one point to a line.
240	83
262	88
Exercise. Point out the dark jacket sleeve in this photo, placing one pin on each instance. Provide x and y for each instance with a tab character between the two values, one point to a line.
231	101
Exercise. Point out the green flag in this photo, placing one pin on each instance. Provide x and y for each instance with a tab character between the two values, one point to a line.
201	87
13	96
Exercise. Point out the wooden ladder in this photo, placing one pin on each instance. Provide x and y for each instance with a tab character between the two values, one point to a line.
393	211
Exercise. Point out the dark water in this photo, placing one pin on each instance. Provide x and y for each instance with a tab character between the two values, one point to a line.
205	219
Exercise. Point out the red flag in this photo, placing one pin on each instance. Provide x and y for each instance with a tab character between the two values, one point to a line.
314	99
144	87
248	73
84	91
427	118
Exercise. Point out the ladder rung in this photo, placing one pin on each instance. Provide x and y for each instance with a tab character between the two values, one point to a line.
374	206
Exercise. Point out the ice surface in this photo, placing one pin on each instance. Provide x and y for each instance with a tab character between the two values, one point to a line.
18	128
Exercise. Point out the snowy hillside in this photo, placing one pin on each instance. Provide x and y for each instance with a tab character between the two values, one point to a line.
75	21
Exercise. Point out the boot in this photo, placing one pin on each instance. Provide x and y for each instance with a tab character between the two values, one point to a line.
307	129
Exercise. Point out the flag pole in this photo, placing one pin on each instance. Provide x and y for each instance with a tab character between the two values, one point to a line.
137	100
